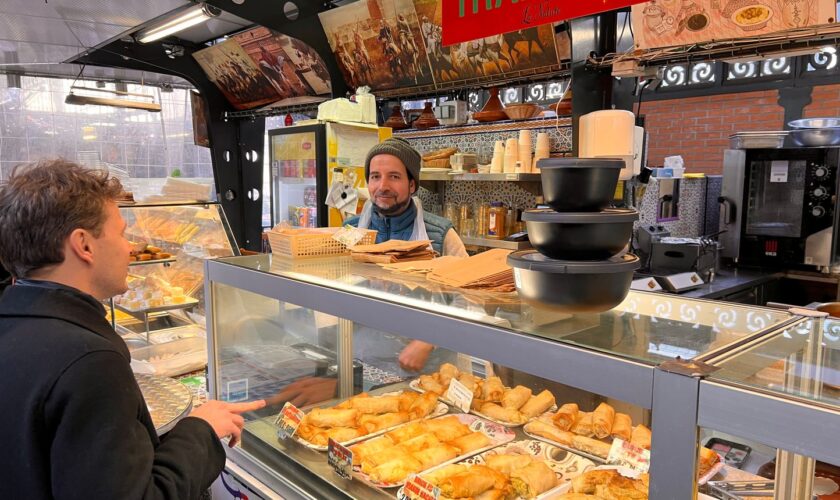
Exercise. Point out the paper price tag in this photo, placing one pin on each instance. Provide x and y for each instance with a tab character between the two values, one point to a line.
288	420
779	171
629	455
417	488
459	395
340	458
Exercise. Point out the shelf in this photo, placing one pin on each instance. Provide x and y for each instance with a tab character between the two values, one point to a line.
491	243
296	180
468	177
153	261
139	313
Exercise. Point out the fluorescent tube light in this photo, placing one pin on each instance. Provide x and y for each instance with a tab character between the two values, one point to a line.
196	14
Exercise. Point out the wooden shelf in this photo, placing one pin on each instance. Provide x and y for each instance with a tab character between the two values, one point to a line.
467	177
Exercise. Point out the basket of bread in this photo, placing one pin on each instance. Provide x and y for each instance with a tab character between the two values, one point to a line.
438	158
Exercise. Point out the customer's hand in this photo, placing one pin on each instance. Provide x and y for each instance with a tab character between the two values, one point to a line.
225	418
413	358
306	391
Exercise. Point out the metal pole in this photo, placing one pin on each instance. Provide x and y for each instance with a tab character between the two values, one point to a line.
345	358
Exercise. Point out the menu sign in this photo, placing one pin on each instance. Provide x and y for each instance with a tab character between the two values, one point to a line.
288	420
465	20
417	488
459	395
340	458
666	23
629	455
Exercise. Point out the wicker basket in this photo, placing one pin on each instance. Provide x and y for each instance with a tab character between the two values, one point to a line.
309	243
439	163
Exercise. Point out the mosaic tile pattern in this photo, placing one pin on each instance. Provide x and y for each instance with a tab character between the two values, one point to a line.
481	138
691	211
714	184
520	195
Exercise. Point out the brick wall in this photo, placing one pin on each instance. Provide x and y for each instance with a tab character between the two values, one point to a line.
698	128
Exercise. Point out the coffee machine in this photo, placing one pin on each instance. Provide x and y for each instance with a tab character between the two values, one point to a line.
779	207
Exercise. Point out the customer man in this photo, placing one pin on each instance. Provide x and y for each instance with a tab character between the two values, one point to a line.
392	170
74	423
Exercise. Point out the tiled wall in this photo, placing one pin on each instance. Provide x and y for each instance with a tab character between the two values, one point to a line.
36	123
692	212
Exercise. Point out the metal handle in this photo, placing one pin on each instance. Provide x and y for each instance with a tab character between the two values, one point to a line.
727	210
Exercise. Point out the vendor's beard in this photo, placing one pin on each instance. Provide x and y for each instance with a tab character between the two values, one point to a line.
395	209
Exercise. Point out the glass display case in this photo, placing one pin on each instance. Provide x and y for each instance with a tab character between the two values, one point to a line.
165	300
315	332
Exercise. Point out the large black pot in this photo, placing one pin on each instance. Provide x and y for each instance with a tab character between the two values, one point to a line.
570	286
580	235
579	184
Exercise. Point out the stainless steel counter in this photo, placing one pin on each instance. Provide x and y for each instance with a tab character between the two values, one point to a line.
729	281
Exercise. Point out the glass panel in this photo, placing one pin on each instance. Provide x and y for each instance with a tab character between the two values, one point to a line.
774	206
170	285
646	327
803	360
293	167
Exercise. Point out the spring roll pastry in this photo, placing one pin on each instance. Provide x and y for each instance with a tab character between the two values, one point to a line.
622	426
583	425
507	415
641	436
348	403
538	404
532	480
430	384
471	442
330	417
436	455
447	429
419	443
467	484
591	446
437	476
406	432
407	398
549	431
424	405
492	390
374	423
370	447
566	416
507	463
516	397
447	372
589	481
471	382
396	470
602	420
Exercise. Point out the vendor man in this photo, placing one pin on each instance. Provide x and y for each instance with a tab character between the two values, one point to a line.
392	170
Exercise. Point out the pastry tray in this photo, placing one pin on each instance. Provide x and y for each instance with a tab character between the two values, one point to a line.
595	458
414	385
167	399
152	261
565	464
497	433
190	302
440	409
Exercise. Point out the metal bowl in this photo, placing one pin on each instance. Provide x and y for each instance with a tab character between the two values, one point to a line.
572	286
816	137
580	235
815	123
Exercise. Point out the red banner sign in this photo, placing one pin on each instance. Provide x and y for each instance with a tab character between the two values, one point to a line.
465	20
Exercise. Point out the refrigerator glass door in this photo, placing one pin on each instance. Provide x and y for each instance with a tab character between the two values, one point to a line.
293	177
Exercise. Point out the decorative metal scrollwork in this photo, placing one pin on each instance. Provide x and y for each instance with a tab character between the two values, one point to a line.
778	66
474	101
823	60
674	76
702	73
743	70
536	93
511	95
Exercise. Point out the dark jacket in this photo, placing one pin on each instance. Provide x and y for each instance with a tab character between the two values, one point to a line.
400	227
73	422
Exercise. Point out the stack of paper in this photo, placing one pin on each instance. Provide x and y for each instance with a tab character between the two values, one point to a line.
485	271
393	251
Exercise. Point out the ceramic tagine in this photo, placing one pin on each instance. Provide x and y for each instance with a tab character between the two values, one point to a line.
427	118
396	121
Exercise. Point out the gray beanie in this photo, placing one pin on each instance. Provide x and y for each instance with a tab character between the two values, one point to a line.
402	150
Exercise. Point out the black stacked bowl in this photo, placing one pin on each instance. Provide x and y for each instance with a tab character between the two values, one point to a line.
577	266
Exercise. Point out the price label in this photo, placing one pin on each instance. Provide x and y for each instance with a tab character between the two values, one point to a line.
511	177
288	420
459	395
417	488
629	455
340	458
779	171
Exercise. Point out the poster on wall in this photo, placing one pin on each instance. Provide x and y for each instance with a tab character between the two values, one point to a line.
526	49
236	75
261	66
666	23
370	40
378	43
201	136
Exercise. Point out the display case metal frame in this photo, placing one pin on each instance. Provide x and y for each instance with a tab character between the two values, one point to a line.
679	402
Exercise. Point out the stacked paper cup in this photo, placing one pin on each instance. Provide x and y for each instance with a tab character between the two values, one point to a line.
511	156
524	152
497	164
543	149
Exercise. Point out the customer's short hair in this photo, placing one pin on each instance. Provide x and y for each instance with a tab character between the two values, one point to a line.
42	203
